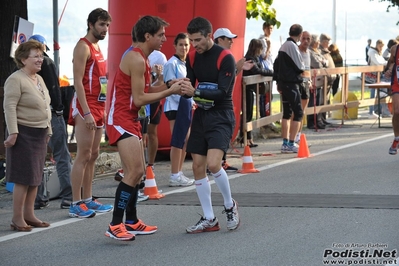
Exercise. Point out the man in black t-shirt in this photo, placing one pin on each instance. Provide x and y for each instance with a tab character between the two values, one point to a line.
213	121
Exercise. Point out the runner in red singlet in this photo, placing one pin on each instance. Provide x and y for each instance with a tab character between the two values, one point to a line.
87	113
130	92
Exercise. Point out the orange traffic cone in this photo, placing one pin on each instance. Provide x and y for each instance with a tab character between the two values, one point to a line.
247	163
150	188
303	151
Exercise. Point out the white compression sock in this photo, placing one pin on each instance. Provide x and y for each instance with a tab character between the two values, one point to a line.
222	181
204	195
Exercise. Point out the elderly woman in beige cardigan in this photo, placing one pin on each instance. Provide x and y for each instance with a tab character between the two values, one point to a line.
28	118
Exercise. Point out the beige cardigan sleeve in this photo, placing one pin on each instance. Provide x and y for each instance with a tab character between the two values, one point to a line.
12	94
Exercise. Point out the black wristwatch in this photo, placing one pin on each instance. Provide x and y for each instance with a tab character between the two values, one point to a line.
168	84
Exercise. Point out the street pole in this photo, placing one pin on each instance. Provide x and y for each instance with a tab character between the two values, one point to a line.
334	24
55	34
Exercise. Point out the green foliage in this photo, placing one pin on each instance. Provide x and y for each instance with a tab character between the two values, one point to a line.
262	9
392	4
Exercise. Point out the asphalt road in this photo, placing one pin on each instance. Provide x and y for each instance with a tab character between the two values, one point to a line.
339	204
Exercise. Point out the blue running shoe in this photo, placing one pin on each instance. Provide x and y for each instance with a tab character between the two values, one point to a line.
292	148
284	148
80	210
96	206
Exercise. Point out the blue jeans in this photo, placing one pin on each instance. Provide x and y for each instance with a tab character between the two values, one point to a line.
59	147
372	96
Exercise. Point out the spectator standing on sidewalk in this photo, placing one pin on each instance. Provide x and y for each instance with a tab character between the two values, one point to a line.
306	85
267	60
178	110
28	118
288	73
224	38
253	54
367	50
323	47
157	60
338	62
58	141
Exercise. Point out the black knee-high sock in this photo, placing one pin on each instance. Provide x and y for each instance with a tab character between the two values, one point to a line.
131	209
123	194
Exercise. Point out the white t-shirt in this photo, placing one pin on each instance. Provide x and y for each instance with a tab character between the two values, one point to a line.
268	62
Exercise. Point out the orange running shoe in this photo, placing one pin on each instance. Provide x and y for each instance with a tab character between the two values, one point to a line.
119	232
393	150
141	228
228	168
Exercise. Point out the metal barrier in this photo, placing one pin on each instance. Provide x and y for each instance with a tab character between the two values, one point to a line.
325	72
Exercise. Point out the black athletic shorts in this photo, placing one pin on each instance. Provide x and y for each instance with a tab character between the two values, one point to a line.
304	90
144	125
171	115
155	113
210	129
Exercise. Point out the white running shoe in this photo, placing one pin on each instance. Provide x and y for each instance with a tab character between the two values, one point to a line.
233	219
182	181
204	225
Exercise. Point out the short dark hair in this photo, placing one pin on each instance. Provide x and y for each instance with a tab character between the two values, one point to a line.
266	25
23	51
134	38
148	24
180	36
221	37
201	25
295	30
96	15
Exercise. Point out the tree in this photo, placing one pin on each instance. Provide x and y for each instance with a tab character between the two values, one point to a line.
9	9
392	4
262	9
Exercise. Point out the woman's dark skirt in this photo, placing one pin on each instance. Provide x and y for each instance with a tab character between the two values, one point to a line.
25	160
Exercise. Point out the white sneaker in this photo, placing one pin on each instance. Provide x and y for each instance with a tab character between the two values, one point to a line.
142	197
182	181
186	178
204	225
373	116
233	219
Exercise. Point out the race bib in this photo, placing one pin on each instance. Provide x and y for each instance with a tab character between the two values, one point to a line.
103	92
205	103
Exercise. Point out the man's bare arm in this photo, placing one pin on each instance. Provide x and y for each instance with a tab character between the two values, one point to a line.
80	55
134	64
